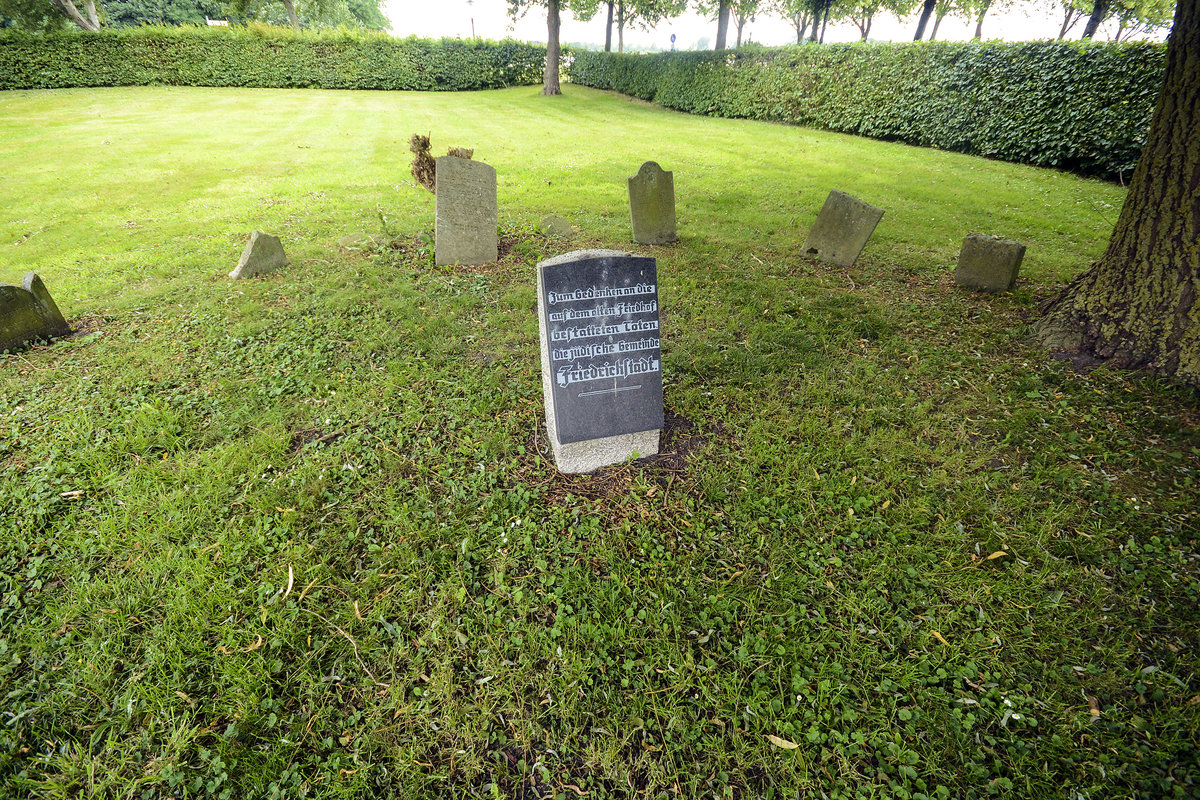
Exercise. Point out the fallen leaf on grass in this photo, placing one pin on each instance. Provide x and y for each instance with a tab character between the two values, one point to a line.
784	743
940	638
997	554
1093	706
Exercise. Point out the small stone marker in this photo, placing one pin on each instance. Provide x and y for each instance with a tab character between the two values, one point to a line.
989	263
652	205
263	254
27	312
556	227
601	357
466	213
842	229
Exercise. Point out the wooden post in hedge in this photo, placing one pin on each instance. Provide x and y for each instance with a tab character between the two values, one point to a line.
1139	305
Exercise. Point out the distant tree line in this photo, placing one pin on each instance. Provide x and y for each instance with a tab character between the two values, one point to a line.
91	15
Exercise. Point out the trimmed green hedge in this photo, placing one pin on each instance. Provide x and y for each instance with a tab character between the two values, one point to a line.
262	57
1084	107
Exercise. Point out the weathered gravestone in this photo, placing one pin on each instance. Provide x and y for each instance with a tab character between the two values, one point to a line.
556	227
601	357
466	212
652	205
989	263
27	312
263	254
842	229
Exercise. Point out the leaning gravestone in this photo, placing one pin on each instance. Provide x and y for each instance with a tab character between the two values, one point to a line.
263	254
601	357
27	312
842	229
652	205
989	263
466	212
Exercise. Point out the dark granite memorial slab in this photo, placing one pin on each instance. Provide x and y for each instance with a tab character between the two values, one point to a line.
600	317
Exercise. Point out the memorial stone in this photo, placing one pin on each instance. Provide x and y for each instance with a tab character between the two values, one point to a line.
989	263
466	213
27	312
652	205
601	357
556	227
263	254
842	229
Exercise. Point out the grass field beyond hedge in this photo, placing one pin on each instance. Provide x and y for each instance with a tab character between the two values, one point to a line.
299	536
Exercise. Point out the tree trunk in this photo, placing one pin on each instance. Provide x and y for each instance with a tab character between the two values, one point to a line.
982	13
722	24
937	22
1070	17
825	21
1099	12
926	10
1138	305
801	23
740	22
84	23
816	23
291	12
550	84
608	29
621	27
865	27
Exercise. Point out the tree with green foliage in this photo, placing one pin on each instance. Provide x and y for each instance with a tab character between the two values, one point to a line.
554	8
50	14
798	12
313	14
720	10
30	14
940	11
645	14
927	9
863	12
1073	11
1133	16
133	13
743	11
1139	305
976	10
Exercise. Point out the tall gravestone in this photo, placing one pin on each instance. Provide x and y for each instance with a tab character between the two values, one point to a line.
842	229
466	212
601	357
652	205
27	312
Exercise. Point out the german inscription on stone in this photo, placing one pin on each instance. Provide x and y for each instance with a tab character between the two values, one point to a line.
601	345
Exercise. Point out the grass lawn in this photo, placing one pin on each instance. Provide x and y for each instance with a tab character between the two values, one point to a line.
300	536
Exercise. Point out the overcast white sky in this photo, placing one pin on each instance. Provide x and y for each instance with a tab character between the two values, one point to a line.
453	18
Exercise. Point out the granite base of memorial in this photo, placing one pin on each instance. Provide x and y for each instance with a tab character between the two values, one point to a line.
601	357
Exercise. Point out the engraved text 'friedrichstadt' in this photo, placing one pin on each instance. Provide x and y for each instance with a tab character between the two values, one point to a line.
606	371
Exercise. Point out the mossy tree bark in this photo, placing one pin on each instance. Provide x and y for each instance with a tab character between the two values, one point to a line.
1138	305
550	83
